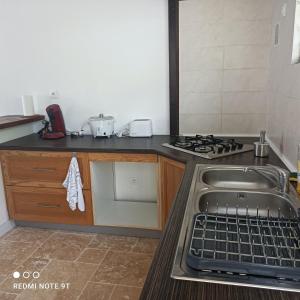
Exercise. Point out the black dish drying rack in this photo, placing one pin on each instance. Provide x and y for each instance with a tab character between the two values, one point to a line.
247	245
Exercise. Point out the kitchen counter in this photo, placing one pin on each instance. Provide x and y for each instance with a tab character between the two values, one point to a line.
16	120
159	284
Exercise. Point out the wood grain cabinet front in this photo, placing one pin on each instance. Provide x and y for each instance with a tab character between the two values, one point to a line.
33	183
41	169
171	174
46	205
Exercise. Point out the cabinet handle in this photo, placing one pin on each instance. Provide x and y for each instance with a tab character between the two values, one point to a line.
48	205
44	169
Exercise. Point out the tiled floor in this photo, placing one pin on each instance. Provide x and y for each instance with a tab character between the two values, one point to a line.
89	266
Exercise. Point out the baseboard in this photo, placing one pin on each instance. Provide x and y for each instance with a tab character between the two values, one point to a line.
7	226
94	229
284	159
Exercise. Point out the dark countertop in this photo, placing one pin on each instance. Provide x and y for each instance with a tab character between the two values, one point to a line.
16	120
33	142
159	284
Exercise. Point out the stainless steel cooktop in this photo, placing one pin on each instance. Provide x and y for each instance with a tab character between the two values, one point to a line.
209	146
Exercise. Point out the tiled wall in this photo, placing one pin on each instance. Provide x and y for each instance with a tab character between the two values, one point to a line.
224	64
284	98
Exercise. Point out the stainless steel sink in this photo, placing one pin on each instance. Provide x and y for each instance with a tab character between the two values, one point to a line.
236	178
229	216
245	203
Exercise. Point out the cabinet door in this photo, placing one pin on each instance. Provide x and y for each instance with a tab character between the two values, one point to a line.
41	169
171	173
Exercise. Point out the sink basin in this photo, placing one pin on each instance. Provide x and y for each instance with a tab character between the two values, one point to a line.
262	204
236	179
239	229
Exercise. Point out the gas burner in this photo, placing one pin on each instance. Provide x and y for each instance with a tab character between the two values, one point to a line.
203	149
184	145
208	146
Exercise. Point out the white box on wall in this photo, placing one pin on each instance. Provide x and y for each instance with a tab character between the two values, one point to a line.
135	182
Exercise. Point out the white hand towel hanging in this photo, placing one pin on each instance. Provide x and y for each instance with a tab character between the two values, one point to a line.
74	186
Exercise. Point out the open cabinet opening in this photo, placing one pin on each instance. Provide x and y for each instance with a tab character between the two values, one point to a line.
125	194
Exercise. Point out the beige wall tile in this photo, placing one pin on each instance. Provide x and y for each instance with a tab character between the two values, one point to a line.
201	81
244	102
245	80
246	32
200	123
290	122
248	10
240	57
200	103
207	11
195	58
201	35
284	103
224	64
243	123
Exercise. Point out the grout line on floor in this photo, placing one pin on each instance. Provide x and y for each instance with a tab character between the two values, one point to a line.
89	280
112	292
32	254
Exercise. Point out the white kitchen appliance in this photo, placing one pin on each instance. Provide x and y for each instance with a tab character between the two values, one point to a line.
102	126
140	128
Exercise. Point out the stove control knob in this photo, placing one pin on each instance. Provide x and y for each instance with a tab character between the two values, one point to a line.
233	146
239	146
219	149
226	148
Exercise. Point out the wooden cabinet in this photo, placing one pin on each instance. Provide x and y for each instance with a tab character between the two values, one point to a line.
46	205
41	169
171	174
125	190
33	183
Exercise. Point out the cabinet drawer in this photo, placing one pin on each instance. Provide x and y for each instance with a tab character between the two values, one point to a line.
41	169
46	205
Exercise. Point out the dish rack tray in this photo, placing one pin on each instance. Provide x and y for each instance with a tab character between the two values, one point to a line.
261	246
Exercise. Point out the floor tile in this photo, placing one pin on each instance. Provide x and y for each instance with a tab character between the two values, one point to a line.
31	265
123	268
74	273
65	246
97	291
16	252
49	295
7	266
92	256
7	296
145	245
113	242
2	278
126	293
27	234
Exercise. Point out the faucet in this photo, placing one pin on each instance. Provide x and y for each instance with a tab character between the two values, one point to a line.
277	175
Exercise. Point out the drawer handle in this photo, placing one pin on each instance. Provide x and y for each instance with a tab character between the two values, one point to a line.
48	205
44	169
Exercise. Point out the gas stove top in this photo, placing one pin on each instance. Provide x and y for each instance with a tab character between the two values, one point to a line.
208	146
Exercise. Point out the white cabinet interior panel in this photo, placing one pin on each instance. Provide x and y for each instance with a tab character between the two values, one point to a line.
135	182
138	206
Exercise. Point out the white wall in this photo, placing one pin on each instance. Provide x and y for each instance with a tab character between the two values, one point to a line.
224	63
102	56
284	100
